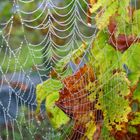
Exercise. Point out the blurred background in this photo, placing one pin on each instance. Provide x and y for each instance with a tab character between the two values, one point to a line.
34	36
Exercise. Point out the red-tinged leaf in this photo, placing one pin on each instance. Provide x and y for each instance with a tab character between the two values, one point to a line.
78	132
121	42
73	97
112	26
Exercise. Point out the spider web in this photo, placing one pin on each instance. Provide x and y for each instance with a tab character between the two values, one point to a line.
34	36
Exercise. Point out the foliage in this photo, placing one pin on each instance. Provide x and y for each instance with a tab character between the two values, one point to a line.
102	97
74	56
48	91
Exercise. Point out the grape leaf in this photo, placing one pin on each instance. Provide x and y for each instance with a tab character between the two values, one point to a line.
136	94
115	91
136	22
98	4
56	115
73	100
73	56
107	9
90	128
136	120
132	129
102	21
46	88
131	58
49	91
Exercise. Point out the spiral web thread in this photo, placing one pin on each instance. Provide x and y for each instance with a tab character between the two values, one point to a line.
47	30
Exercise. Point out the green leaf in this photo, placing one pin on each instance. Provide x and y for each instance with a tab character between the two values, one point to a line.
56	115
113	103
136	120
123	26
90	130
136	22
132	57
110	8
98	4
103	20
133	78
105	59
132	129
49	91
123	10
60	66
106	134
136	94
46	88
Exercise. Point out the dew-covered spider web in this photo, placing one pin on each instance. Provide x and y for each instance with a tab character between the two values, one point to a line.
35	35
